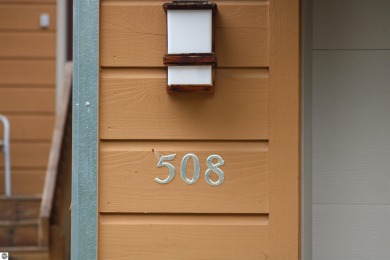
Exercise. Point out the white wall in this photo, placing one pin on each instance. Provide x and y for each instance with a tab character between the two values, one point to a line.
351	130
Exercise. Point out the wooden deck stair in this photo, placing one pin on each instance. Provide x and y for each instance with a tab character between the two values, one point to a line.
37	227
19	227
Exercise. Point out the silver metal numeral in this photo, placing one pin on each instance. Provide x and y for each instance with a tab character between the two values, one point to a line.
172	172
183	168
214	168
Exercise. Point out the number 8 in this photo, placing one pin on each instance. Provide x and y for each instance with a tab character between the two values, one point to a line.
214	167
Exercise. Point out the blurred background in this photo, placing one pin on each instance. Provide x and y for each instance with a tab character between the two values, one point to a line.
35	88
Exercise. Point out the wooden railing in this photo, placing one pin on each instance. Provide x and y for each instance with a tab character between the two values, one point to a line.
57	188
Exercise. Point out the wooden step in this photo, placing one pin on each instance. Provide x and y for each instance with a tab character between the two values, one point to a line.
26	252
19	233
19	207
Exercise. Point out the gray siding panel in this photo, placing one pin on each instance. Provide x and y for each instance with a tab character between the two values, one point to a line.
351	130
351	24
351	232
351	127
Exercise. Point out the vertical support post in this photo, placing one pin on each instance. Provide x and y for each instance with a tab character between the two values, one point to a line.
85	130
61	47
7	155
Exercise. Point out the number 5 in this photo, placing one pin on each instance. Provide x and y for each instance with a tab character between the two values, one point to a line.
169	166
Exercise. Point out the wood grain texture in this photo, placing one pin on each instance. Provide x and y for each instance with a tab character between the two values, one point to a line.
190	59
351	125
25	181
356	232
127	176
134	35
356	24
284	129
30	128
242	34
198	237
190	6
28	155
16	17
27	72
27	100
27	45
136	116
136	99
242	47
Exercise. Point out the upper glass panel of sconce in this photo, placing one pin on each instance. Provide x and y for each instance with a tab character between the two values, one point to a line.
189	31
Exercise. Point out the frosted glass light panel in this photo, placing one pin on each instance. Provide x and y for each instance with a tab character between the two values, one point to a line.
189	75
189	31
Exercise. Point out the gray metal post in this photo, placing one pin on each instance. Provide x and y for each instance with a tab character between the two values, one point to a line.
85	129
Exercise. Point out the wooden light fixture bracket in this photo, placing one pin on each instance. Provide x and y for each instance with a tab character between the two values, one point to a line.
192	59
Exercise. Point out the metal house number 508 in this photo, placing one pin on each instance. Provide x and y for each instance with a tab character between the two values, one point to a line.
212	167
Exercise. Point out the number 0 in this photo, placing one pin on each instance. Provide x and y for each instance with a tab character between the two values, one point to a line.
183	168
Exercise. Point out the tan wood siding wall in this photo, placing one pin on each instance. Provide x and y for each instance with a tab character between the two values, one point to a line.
251	121
27	89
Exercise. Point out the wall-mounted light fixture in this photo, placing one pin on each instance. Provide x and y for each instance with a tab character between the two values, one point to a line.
190	57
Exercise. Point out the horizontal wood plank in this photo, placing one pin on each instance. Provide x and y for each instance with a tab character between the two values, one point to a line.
31	128
182	237
27	45
242	47
134	105
128	170
16	17
25	181
28	155
27	72
134	35
27	100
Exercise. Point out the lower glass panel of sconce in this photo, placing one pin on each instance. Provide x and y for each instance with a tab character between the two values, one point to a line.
190	75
